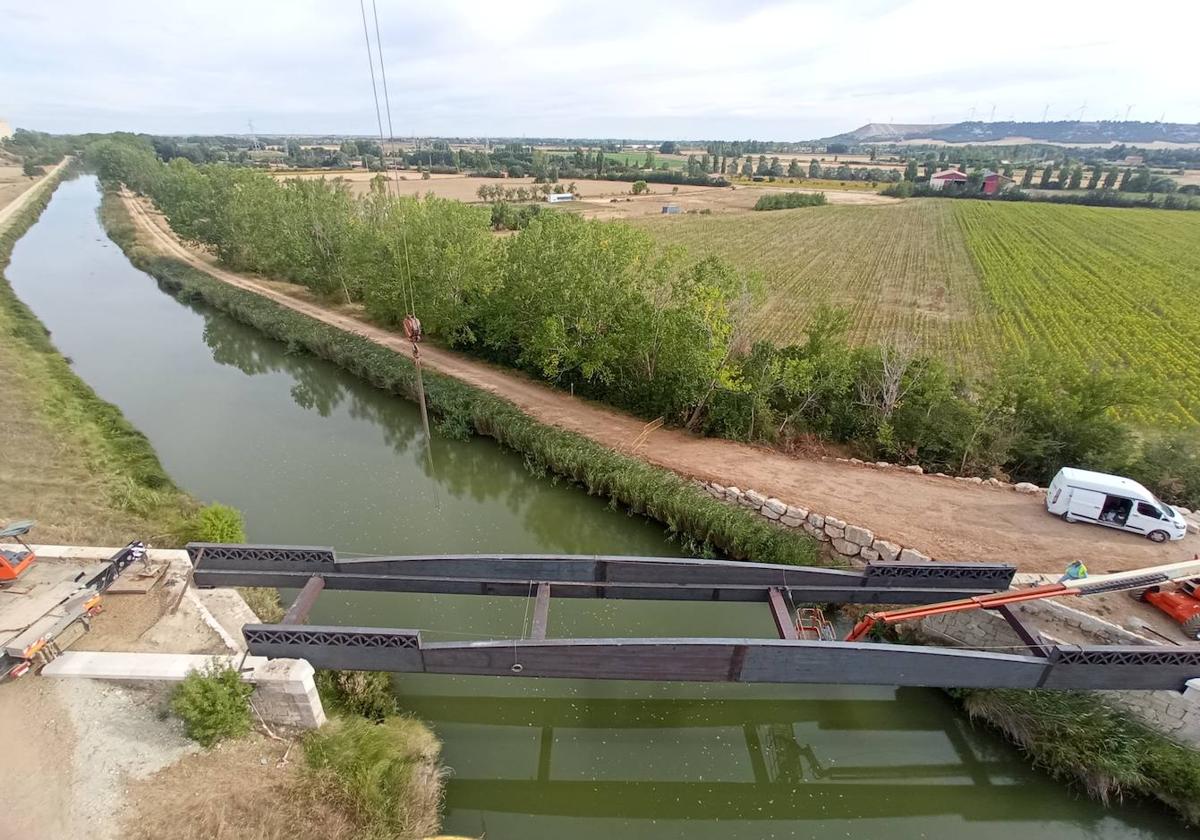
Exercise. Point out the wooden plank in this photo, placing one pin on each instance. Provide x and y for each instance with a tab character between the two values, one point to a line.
541	612
781	616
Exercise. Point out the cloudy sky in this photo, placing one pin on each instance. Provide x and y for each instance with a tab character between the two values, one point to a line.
658	69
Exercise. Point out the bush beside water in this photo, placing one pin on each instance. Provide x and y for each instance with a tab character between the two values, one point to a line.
213	704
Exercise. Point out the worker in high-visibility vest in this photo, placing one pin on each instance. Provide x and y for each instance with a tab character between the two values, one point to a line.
1076	571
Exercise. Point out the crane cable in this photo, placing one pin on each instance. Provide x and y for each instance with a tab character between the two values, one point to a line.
412	298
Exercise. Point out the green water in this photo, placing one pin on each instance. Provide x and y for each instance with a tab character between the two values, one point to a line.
313	456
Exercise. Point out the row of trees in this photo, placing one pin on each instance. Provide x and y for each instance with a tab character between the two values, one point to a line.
600	308
1027	419
589	305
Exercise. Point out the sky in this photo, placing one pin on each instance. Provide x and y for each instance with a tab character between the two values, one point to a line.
665	69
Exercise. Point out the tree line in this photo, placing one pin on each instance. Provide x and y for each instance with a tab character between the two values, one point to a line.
599	308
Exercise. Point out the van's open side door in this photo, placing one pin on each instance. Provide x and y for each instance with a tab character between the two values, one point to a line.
1086	504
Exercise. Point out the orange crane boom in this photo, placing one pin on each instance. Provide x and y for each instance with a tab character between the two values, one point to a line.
1136	579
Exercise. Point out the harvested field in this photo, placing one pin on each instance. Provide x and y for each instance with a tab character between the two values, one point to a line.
596	196
13	183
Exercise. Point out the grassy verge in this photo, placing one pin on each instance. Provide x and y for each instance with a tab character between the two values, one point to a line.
640	488
72	461
385	776
1076	736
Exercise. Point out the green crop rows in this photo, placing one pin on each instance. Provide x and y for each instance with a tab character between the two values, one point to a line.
1109	287
976	281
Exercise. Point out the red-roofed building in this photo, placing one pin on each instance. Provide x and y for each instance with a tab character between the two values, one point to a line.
939	180
993	183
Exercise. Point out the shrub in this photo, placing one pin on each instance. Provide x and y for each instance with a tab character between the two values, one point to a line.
264	602
788	201
218	523
385	775
364	693
213	704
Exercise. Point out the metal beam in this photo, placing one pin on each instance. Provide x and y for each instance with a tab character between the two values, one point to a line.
594	576
541	612
298	612
819	592
1031	640
784	624
730	660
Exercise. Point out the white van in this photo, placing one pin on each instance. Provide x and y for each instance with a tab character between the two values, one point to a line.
1112	501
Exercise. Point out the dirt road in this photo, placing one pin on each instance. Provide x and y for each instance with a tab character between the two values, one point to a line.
946	519
7	211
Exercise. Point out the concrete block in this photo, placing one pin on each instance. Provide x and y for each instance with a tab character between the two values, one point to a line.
791	521
870	555
752	498
816	520
845	547
834	532
835	522
797	512
888	551
776	506
769	512
911	555
915	468
859	536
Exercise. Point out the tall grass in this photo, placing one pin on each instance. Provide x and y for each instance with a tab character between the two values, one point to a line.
133	477
385	775
640	488
1076	736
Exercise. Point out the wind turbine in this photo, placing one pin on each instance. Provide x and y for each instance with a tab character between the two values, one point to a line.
1045	111
992	118
1128	108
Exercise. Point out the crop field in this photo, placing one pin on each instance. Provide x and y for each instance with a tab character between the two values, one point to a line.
900	269
975	282
1111	287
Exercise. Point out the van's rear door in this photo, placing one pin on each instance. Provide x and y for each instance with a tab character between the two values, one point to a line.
1086	504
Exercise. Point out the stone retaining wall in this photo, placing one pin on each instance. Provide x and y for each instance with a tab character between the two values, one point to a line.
848	540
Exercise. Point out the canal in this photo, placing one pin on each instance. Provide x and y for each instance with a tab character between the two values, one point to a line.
314	456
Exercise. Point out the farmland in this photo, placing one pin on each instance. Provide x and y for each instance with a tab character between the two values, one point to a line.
975	282
1102	286
899	269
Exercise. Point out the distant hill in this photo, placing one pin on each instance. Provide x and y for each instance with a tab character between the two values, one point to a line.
1064	132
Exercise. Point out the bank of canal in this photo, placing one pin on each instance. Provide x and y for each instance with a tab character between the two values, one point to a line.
313	455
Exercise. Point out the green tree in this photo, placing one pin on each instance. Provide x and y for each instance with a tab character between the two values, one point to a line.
794	170
814	168
1027	178
910	171
1064	173
1094	179
1110	178
669	148
1047	174
1076	177
1125	175
639	187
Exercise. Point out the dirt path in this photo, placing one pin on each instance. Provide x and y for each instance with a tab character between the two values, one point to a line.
9	210
946	519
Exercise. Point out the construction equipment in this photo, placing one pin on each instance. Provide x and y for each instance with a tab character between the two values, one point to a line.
1138	579
1181	602
51	606
14	561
